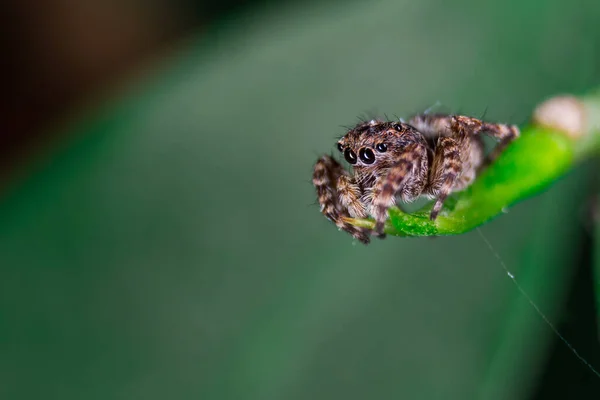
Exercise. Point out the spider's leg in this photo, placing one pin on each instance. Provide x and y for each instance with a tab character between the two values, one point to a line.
468	126
445	170
328	178
432	125
504	133
406	177
349	195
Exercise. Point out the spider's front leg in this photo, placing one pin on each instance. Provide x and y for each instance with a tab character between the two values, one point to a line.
339	196
407	177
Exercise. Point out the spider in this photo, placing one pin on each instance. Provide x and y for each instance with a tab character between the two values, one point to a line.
431	155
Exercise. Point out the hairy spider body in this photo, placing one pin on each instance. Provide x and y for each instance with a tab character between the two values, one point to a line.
431	155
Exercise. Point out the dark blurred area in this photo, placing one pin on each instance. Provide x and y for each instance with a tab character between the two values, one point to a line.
57	55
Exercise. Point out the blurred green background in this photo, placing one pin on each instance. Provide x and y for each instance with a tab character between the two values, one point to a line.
159	236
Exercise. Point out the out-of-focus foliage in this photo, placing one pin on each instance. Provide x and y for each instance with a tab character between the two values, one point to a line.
170	246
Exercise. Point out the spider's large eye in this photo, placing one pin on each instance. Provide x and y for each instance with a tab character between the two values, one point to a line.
350	156
340	147
381	147
366	155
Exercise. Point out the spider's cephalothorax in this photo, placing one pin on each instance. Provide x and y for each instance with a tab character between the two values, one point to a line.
431	155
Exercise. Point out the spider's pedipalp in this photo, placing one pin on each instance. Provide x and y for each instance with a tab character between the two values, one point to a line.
327	174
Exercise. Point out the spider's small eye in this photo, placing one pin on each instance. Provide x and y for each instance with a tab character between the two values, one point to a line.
340	147
350	156
366	155
381	147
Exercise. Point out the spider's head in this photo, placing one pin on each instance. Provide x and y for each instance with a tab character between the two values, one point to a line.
373	144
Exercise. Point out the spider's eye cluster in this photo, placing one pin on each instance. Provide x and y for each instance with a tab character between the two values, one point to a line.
350	156
366	155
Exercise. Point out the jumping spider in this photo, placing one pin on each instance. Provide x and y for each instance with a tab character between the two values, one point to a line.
431	155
